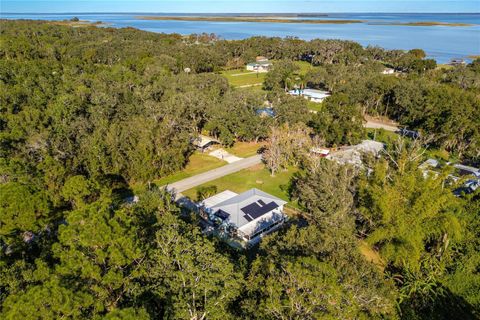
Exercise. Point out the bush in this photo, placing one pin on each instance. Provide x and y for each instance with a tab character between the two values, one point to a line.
206	192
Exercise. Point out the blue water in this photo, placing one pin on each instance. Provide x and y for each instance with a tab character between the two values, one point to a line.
442	43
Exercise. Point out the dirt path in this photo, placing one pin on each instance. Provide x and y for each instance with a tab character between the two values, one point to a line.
250	85
375	123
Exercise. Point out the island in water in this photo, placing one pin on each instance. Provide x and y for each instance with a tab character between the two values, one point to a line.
76	22
267	19
294	19
432	23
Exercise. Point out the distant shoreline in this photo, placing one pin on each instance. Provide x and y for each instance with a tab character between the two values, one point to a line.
266	19
283	19
431	23
79	23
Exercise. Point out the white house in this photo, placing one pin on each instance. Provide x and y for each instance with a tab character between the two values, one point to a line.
246	217
259	66
353	154
310	94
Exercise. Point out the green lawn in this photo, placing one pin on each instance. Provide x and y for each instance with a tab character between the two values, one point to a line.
242	77
255	177
258	88
229	73
314	106
198	163
244	149
382	135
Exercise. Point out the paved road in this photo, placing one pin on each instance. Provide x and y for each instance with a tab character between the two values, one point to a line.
202	178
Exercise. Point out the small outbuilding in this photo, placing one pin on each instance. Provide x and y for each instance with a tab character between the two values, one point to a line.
320	152
203	143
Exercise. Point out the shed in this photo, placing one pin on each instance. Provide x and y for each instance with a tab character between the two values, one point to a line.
203	142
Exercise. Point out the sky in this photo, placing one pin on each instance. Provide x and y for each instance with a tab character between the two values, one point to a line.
236	6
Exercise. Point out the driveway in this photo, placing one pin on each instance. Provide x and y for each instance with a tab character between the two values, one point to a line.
202	178
378	125
224	155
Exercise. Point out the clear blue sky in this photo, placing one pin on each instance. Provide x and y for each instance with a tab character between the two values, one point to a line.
187	6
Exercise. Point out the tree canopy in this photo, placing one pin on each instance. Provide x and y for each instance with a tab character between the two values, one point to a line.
91	117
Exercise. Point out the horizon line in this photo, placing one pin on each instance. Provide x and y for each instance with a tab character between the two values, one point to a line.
252	13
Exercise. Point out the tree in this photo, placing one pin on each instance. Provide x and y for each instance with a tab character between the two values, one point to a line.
185	268
290	110
298	271
339	122
50	300
86	113
206	192
409	216
464	280
306	287
325	192
23	209
127	314
417	53
281	76
286	146
303	288
100	253
76	189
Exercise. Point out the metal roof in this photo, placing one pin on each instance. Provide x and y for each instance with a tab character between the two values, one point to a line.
218	198
203	141
235	204
312	93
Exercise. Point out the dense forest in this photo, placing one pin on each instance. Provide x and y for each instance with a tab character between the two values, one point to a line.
88	112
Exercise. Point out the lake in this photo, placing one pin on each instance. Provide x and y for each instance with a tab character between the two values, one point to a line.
442	43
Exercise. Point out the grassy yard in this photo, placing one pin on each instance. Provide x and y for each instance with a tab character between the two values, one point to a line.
242	77
256	88
314	106
198	163
255	177
382	135
244	149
